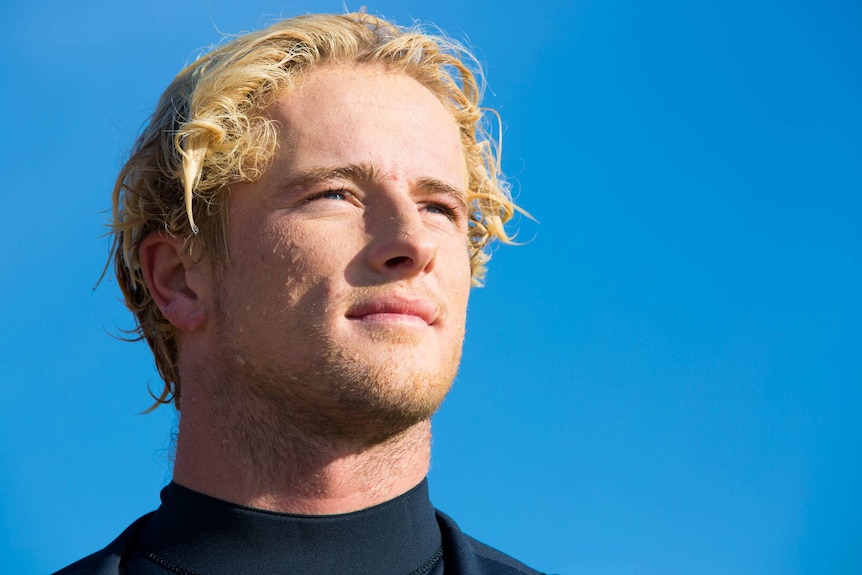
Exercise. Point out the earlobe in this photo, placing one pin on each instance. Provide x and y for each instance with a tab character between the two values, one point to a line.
175	280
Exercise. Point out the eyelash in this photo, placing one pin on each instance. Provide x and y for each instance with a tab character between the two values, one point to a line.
323	194
447	209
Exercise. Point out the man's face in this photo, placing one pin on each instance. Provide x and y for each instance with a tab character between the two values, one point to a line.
344	301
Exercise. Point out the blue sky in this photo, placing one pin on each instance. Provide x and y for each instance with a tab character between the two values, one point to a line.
665	378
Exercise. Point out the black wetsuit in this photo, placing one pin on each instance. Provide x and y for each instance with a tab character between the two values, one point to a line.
194	534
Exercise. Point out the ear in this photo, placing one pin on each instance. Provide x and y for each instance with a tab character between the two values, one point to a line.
179	285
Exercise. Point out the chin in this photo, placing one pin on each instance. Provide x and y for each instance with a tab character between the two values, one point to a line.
383	399
340	387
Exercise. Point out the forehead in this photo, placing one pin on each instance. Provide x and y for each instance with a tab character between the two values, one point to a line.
366	114
329	88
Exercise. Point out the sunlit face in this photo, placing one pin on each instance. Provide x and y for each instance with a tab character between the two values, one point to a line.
346	292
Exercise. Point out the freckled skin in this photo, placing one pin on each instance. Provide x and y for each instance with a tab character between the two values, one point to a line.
300	261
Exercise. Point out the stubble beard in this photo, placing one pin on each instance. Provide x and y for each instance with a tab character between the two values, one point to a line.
340	396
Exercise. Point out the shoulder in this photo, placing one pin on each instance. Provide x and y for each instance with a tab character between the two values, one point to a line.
465	555
106	561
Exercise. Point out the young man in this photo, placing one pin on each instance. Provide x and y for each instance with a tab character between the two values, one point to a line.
297	231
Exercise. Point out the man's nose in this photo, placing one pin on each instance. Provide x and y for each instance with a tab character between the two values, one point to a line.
401	244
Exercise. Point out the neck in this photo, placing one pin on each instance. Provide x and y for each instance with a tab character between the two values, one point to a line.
252	456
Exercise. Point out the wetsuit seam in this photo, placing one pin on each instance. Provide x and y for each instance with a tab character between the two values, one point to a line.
169	565
428	565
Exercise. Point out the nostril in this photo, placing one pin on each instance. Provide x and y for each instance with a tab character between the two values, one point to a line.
397	261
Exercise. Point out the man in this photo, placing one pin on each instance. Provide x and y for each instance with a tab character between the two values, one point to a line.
297	231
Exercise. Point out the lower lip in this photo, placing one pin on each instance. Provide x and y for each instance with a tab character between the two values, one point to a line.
392	319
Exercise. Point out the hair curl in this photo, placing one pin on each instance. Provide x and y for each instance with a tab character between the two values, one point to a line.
209	130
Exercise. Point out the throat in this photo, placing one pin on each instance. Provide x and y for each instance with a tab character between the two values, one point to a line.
282	468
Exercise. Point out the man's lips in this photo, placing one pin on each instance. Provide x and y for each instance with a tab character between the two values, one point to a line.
394	309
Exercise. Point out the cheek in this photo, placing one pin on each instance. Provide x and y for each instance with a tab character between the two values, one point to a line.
298	260
460	279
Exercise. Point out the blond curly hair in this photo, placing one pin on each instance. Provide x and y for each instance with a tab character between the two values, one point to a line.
210	130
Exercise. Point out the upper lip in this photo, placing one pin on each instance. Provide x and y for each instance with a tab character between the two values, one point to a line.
395	304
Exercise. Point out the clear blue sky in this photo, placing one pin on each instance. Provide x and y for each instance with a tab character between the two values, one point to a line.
665	379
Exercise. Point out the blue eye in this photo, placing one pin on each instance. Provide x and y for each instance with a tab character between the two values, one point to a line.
442	209
334	195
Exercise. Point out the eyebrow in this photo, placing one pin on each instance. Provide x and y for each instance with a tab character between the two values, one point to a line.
364	173
433	185
354	172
